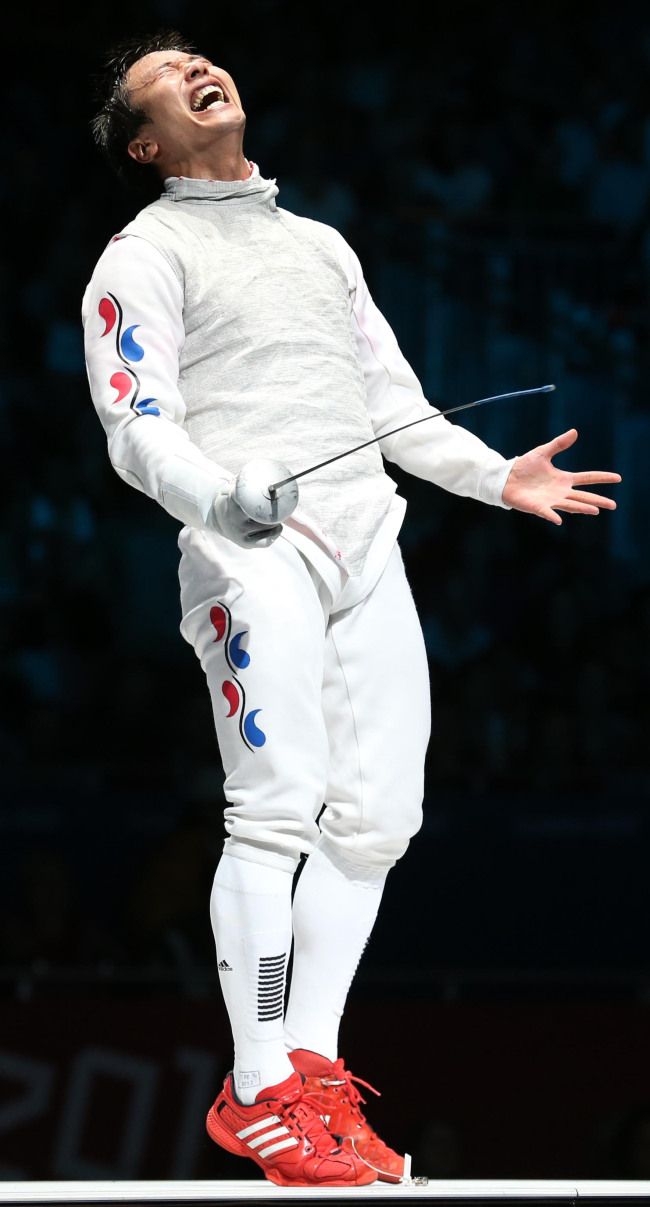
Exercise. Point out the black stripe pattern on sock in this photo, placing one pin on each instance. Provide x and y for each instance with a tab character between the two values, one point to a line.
270	987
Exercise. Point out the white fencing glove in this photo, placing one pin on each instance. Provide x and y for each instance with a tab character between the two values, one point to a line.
247	511
228	518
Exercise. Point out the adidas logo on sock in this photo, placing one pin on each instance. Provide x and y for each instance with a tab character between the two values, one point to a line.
224	966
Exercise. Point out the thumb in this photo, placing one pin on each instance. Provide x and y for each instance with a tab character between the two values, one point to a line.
560	443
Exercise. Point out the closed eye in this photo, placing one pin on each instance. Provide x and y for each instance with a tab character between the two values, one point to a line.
179	63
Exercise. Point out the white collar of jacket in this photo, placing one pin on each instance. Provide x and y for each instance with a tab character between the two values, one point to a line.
256	188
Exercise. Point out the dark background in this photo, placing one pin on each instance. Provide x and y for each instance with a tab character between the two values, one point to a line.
491	166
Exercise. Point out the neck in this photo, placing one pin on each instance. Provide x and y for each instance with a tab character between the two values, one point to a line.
224	160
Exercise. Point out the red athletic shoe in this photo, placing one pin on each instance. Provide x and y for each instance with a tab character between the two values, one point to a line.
285	1135
330	1088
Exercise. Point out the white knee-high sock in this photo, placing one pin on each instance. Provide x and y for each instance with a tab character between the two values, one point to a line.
334	911
250	909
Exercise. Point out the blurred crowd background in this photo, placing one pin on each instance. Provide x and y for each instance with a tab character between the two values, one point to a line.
491	166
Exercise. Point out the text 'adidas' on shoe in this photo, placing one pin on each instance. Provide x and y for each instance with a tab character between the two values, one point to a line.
285	1135
330	1087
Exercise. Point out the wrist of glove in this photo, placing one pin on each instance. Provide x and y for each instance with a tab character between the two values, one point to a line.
228	519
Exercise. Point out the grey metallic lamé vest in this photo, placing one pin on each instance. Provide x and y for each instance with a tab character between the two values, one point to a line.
270	367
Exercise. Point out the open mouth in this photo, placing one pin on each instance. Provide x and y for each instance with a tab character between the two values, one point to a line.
209	97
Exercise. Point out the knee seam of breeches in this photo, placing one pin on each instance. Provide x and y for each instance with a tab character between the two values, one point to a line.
260	852
364	873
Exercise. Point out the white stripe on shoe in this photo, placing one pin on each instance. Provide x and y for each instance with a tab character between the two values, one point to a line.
275	1148
277	1131
257	1126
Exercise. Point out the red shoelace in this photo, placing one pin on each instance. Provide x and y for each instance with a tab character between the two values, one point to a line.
340	1076
304	1114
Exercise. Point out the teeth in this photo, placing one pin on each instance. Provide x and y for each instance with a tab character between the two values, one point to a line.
197	100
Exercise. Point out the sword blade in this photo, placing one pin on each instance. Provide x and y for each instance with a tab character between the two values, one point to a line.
435	415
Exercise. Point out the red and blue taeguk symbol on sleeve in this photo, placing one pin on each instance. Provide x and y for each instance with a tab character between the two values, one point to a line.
232	689
126	381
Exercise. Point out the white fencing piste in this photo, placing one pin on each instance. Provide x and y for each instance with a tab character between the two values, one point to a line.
259	1191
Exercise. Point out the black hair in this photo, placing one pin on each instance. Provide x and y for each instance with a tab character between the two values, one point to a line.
119	119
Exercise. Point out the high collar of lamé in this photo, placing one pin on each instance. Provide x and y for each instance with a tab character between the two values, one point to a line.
255	188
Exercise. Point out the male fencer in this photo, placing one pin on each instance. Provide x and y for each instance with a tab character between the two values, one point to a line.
220	328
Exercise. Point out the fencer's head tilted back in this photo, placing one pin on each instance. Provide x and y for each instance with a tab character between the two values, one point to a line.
166	106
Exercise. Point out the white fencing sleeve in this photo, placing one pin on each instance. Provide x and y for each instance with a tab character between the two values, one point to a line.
133	331
440	452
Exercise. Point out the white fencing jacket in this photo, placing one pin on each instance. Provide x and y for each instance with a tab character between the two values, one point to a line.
219	327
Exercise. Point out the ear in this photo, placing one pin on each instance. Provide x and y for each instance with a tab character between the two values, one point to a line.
143	150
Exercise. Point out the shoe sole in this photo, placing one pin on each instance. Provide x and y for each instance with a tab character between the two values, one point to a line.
225	1138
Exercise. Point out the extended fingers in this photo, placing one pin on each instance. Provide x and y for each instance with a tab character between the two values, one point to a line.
592	476
578	508
596	500
547	513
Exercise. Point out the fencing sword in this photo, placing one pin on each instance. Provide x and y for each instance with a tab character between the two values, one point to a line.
273	502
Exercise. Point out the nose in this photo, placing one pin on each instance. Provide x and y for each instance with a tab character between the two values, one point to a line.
196	69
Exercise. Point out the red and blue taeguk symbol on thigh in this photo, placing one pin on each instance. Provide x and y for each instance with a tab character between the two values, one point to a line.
128	351
237	659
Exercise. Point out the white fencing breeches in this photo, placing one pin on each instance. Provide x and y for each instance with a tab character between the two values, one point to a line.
317	700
